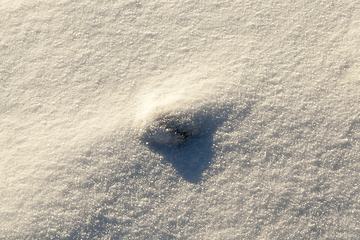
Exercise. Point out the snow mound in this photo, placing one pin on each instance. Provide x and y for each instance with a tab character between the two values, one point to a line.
172	108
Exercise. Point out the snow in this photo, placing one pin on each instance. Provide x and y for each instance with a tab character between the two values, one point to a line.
179	119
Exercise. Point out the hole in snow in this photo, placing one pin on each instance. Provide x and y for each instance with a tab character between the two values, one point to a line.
170	131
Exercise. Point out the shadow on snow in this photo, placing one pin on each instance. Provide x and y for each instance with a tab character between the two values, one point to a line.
192	152
191	158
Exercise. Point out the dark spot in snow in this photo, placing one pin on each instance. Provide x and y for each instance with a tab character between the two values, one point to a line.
170	131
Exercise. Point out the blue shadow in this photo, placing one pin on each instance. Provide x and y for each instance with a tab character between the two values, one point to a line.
192	157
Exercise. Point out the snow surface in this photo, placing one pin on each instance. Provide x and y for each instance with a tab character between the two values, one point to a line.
179	119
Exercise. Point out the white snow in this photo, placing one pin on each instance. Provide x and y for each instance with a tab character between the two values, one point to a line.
179	119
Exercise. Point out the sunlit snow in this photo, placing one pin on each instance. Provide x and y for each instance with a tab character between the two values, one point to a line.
179	119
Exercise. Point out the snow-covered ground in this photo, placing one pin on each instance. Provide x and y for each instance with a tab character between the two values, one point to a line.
179	119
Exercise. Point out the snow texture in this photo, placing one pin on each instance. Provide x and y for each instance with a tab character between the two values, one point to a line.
179	119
